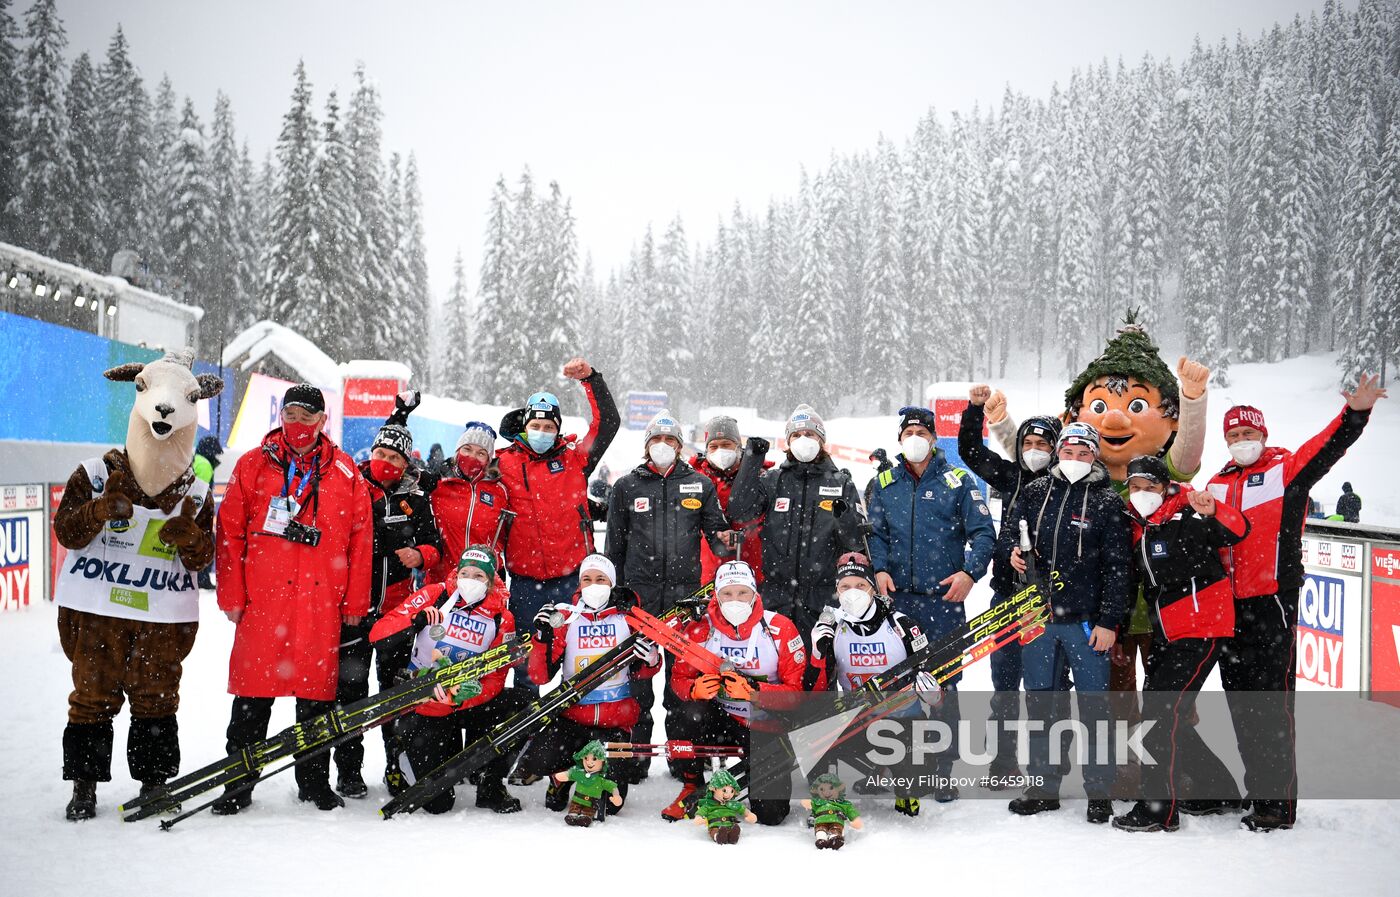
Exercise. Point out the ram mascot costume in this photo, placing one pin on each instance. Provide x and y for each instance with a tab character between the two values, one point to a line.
138	526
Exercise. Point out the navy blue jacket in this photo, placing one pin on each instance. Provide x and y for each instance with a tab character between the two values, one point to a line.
923	530
1082	531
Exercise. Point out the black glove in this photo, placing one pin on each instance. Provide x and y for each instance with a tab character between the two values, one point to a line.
404	403
758	445
624	599
544	624
426	617
513	424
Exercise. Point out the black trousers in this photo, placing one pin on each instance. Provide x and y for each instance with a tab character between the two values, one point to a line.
431	741
390	658
247	725
705	722
553	750
656	601
1262	657
1184	763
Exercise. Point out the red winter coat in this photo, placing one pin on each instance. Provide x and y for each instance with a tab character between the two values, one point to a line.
752	552
1273	494
792	658
1177	555
545	658
553	531
458	502
493	606
292	595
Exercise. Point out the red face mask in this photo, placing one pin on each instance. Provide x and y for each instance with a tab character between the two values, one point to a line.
385	472
471	467
299	436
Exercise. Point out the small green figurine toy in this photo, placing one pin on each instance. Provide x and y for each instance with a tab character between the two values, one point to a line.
831	811
719	811
588	776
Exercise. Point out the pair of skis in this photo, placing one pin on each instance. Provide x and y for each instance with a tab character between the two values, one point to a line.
538	715
243	768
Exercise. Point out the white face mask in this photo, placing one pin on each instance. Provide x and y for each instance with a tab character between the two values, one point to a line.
595	596
856	603
736	612
722	459
1246	453
805	448
1075	471
1145	503
1036	459
471	590
916	449
662	454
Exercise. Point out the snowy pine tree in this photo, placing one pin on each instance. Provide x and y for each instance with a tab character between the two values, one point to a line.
84	246
286	260
125	154
42	208
410	313
188	202
11	91
226	285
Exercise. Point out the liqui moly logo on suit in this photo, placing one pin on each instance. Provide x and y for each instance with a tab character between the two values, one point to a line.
471	630
740	656
593	636
15	569
868	654
1321	635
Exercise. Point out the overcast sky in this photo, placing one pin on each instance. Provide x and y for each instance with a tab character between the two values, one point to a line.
639	109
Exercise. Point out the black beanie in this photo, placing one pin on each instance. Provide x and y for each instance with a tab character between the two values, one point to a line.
855	564
396	437
913	414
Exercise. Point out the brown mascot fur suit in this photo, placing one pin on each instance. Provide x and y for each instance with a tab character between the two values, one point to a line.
138	526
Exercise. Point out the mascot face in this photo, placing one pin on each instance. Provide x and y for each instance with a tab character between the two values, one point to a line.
1130	417
167	398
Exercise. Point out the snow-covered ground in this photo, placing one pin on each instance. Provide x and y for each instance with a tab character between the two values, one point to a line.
280	846
1346	847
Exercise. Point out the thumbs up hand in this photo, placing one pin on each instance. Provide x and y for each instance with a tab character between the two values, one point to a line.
181	531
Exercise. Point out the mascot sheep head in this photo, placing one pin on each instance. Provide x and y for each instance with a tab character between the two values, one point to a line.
164	419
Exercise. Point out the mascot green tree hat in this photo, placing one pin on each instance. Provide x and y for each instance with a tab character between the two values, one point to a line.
1129	354
722	779
594	748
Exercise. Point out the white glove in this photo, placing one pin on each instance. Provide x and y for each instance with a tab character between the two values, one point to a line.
645	651
824	633
928	689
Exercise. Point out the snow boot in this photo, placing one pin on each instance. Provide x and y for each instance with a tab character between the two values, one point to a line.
1146	816
161	804
1100	810
556	796
909	806
394	780
232	804
491	794
351	784
84	802
1031	804
946	794
1000	775
321	795
1269	816
676	810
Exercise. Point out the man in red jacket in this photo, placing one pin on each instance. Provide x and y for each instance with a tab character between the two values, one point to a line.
766	651
571	637
546	476
720	463
295	556
1271	485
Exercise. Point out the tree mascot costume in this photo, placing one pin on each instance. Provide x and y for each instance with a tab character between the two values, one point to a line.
138	526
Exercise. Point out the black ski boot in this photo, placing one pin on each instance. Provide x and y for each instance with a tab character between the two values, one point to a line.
556	796
394	780
232	804
1032	803
322	796
351	784
1269	816
1144	818
491	794
1100	810
84	802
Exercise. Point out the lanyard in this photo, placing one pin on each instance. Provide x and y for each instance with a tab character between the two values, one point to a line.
305	482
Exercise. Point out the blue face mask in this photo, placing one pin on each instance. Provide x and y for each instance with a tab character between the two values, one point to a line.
539	441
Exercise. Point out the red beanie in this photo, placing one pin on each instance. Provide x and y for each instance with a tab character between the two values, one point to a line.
1245	416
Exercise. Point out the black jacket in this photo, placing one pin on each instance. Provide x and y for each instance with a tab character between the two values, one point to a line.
802	533
1006	477
403	518
1082	532
655	525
